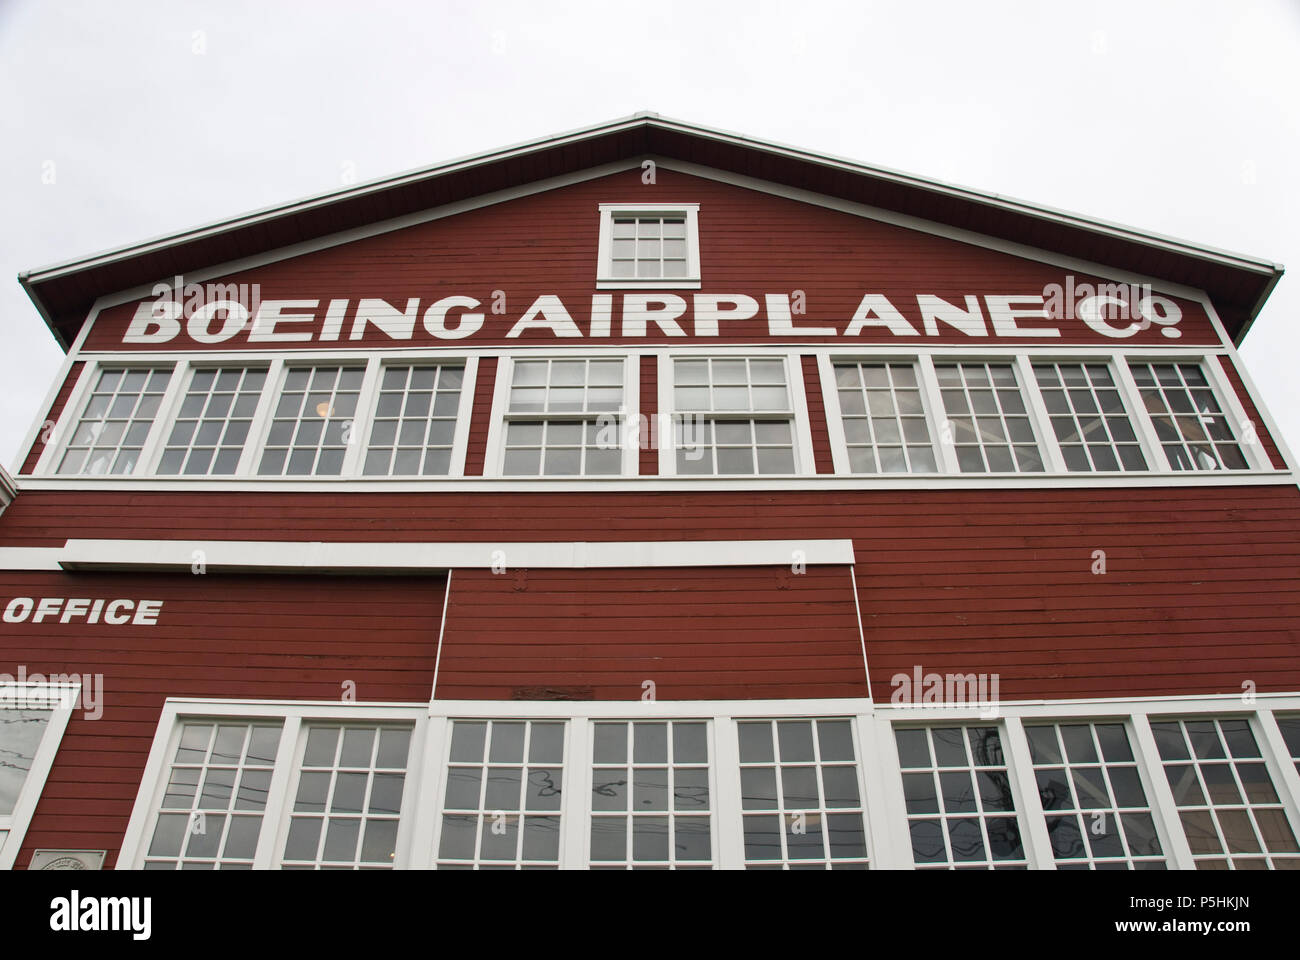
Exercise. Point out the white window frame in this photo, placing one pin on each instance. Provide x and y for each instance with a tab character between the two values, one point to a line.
804	461
628	415
876	757
605	280
464	410
60	699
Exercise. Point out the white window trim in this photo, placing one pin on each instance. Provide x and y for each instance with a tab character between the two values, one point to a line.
879	773
61	699
804	461
605	247
628	415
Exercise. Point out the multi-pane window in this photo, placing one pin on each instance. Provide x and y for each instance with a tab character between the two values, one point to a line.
1191	425
415	420
988	421
113	427
802	806
501	808
650	800
961	811
1230	811
564	418
211	814
21	731
1088	416
349	797
208	434
1097	811
311	425
885	426
733	416
649	246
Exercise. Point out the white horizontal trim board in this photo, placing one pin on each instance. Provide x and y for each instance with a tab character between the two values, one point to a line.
876	767
317	557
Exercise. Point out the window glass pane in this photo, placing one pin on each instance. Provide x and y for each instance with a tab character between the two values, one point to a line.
20	736
217	782
415	420
884	421
960	807
349	797
208	434
805	773
1192	426
501	804
1092	426
991	392
652	803
312	422
585	436
109	436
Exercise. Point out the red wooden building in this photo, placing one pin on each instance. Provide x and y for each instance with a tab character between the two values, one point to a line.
652	496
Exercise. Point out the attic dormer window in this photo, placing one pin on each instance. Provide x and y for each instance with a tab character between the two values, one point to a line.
654	246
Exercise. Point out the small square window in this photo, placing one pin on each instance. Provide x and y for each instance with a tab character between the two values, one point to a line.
653	246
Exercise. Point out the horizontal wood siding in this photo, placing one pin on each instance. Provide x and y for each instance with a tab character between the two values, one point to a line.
751	243
648	458
1252	414
695	634
821	440
51	418
1201	590
216	636
480	417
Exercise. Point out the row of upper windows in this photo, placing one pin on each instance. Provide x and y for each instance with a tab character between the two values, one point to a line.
1125	792
723	416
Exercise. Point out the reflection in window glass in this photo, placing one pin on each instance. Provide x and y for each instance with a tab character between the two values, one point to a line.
115	422
207	437
211	814
1290	727
501	806
800	795
313	414
1231	813
651	805
1088	416
1097	811
732	415
1192	426
565	418
884	419
20	736
348	798
415	420
989	422
961	812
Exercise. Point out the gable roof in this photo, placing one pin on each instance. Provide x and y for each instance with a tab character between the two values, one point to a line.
65	292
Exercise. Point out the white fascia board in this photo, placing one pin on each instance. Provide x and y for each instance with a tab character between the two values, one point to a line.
316	557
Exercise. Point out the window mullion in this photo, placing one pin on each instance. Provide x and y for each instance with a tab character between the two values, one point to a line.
278	802
937	415
1281	767
361	417
1054	461
575	813
1020	768
154	442
257	430
464	416
1163	807
834	415
1146	430
728	806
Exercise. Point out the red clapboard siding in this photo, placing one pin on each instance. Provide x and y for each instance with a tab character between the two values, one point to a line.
284	637
480	417
751	243
697	634
821	440
1201	589
648	461
52	417
1252	413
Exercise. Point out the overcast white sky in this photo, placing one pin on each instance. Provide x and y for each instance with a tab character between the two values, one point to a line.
1177	117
